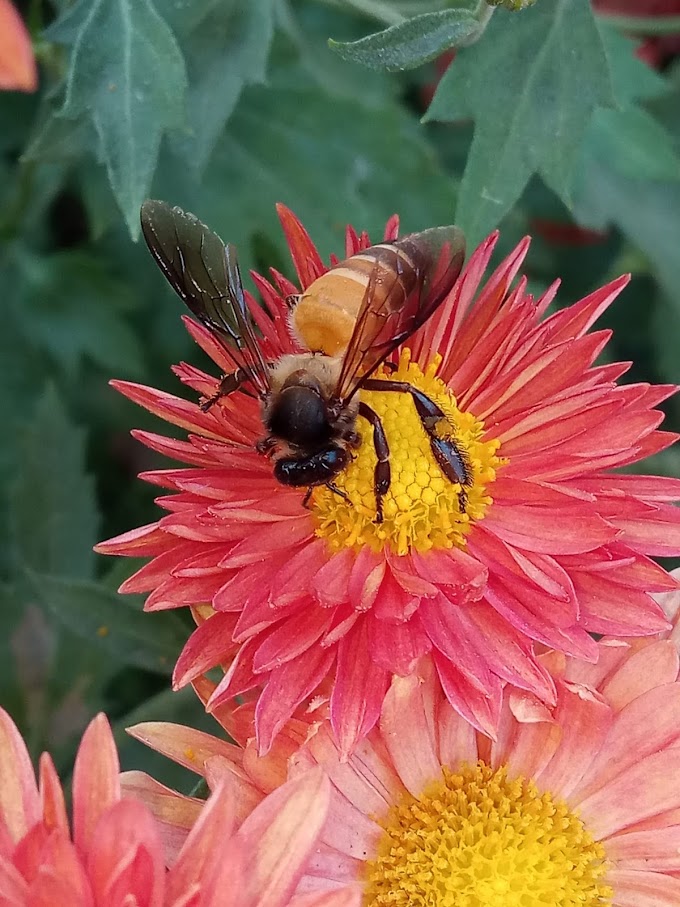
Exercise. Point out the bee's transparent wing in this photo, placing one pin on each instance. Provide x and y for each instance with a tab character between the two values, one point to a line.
204	273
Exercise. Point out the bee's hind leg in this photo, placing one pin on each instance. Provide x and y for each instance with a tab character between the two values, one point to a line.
451	458
382	474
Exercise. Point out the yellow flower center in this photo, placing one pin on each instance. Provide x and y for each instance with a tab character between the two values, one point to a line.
476	839
422	508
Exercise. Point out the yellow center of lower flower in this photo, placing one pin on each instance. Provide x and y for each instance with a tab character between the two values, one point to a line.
476	839
422	509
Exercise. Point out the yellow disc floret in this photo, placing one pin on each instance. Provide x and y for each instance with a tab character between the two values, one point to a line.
478	839
422	509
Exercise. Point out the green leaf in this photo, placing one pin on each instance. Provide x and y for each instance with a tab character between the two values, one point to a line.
632	80
531	83
409	44
301	47
126	74
634	144
75	304
666	328
332	163
666	109
647	212
104	619
52	513
227	50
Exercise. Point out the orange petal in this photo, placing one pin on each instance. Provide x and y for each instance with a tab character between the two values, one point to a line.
17	64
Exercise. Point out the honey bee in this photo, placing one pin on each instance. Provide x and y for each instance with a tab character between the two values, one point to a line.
350	320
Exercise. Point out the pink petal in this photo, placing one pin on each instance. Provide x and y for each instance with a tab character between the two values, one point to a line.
146	541
407	726
205	847
209	645
13	886
295	577
650	786
398	647
279	836
457	740
463	575
95	780
367	779
126	857
578	318
53	807
19	799
174	814
170	408
506	652
306	260
584	719
238	679
359	688
18	71
291	638
653	666
633	736
643	889
481	710
331	583
607	607
444	624
286	688
365	579
186	746
657	849
268	539
533	743
345	897
540	529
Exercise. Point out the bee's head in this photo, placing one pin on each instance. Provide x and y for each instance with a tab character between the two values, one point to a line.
299	415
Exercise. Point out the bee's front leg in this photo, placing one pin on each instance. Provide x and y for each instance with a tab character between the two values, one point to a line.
266	445
228	384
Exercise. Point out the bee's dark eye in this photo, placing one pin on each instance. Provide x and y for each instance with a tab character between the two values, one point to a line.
300	416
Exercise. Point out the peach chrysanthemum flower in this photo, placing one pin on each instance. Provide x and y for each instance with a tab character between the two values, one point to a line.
115	855
574	805
550	546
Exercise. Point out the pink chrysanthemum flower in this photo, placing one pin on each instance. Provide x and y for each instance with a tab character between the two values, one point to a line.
574	805
550	546
115	855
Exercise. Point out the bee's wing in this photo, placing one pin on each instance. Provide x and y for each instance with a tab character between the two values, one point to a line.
204	273
387	316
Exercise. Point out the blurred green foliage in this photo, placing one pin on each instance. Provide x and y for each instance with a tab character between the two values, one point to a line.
546	122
